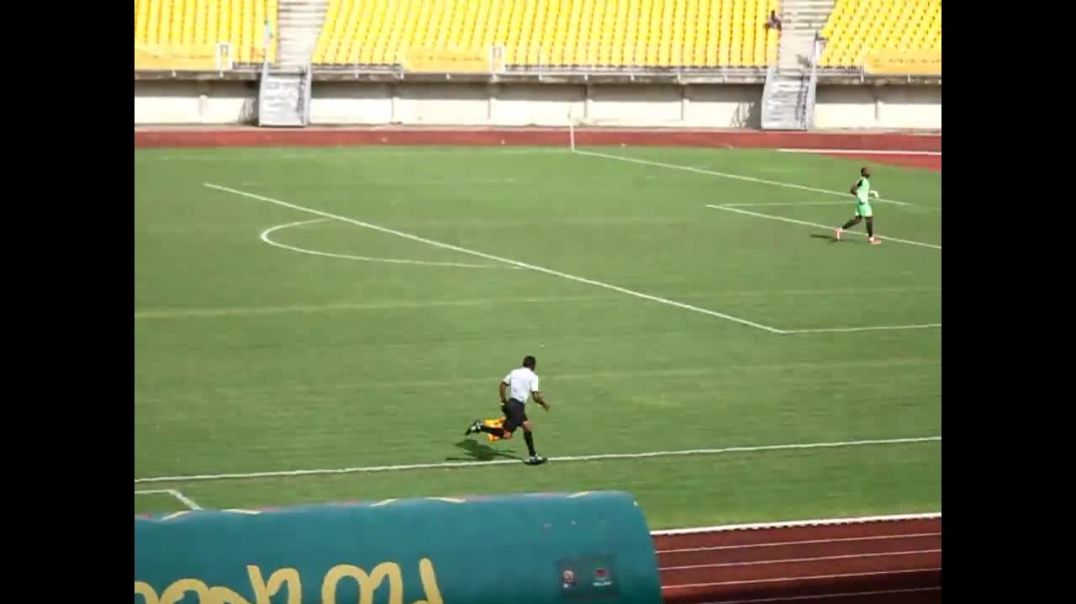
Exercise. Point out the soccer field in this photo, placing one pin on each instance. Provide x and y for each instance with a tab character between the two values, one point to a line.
703	342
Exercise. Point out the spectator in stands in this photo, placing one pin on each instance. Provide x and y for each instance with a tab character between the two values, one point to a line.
774	21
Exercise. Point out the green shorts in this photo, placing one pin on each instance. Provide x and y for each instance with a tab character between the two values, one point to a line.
864	210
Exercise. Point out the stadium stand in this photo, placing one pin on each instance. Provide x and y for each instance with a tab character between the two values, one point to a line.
179	34
857	28
552	33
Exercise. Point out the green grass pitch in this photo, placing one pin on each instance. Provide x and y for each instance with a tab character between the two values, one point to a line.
316	352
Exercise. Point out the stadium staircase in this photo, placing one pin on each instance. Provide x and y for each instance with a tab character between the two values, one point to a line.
789	94
284	97
284	94
300	25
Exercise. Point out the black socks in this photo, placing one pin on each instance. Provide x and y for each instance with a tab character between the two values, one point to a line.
527	436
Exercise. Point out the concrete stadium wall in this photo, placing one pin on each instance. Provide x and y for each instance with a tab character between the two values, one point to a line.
885	107
466	104
189	102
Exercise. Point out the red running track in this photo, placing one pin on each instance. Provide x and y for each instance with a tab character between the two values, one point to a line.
876	562
930	162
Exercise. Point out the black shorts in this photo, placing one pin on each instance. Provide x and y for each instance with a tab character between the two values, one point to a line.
514	415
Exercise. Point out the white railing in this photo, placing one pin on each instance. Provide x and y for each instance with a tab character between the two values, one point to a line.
555	61
308	87
812	84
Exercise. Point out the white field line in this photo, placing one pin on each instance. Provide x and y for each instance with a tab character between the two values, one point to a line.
853	594
265	237
178	313
798	560
868	328
802	523
486	256
862	152
536	268
687	372
187	501
762	181
575	458
786	204
809	578
363	152
828	227
713	548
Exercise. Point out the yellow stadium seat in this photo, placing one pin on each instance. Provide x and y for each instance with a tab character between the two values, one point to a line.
175	22
212	20
619	33
857	28
183	28
142	20
163	19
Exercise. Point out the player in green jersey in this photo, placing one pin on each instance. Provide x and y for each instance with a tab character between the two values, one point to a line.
863	192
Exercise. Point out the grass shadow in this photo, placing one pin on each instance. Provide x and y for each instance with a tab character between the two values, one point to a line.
477	451
829	238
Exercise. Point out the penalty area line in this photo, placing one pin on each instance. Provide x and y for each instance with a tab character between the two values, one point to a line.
573	458
280	227
516	263
483	255
867	328
816	224
784	204
761	181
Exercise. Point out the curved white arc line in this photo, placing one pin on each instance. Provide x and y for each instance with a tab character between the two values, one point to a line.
265	237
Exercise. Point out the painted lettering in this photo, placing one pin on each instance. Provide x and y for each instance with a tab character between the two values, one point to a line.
264	590
389	570
429	583
149	595
223	595
174	593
